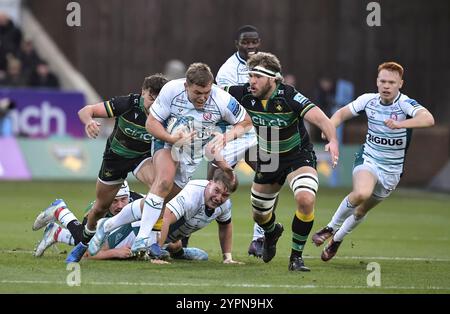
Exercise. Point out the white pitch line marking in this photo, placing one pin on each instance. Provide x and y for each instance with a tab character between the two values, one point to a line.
386	258
234	285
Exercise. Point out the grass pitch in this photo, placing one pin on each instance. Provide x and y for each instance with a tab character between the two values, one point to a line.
408	236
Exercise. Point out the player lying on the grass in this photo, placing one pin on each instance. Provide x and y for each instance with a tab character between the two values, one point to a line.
197	205
63	227
379	164
128	149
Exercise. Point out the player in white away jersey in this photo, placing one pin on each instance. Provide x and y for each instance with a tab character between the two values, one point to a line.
235	72
205	104
197	205
379	164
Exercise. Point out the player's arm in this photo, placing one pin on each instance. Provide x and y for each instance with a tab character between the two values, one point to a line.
115	253
316	116
156	128
87	115
169	218
342	115
239	129
422	119
226	242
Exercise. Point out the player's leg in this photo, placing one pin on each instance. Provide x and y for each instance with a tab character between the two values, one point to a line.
263	198
304	184
250	156
385	184
364	181
105	193
59	212
145	172
113	172
152	210
349	224
49	238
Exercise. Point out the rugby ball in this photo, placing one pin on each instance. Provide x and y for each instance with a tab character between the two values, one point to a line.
177	123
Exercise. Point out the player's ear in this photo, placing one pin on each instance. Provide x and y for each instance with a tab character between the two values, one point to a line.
401	84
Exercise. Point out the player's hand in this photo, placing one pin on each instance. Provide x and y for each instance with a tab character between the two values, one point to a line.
333	148
392	124
217	143
231	261
323	136
92	128
123	252
181	138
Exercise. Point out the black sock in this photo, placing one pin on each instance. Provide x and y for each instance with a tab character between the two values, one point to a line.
178	253
300	232
269	226
86	236
185	241
76	229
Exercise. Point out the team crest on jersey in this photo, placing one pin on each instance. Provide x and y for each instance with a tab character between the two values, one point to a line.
207	116
278	106
372	114
394	116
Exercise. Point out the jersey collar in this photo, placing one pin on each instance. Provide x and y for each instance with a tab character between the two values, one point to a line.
239	58
395	100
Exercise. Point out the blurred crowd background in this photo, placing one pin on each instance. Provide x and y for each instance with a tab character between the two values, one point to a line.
49	69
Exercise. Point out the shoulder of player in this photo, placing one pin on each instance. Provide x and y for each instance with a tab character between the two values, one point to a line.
220	94
226	206
367	98
238	91
287	91
173	86
230	62
406	99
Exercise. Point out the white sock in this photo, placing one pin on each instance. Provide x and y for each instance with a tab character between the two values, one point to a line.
349	224
130	213
344	210
258	232
64	236
64	216
150	214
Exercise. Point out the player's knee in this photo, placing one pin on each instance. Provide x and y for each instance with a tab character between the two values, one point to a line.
303	184
360	196
305	201
164	185
262	204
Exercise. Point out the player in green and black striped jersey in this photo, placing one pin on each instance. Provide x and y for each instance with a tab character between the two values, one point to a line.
284	151
127	149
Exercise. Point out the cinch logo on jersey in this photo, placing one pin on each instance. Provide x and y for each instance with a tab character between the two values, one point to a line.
138	134
259	121
385	141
